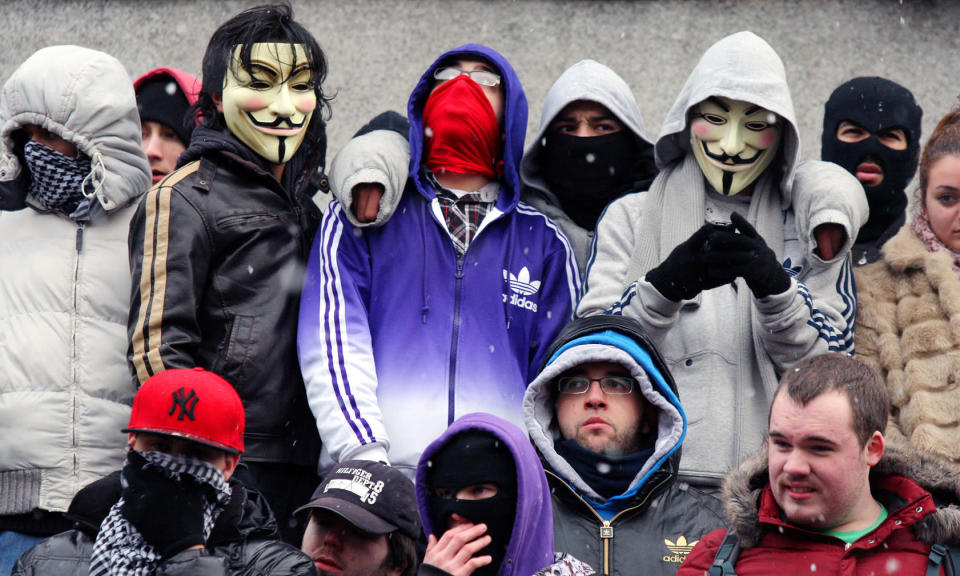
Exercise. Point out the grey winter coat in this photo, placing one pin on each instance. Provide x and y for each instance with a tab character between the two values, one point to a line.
65	390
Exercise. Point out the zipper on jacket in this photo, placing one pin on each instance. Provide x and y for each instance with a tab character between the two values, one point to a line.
606	526
452	387
73	354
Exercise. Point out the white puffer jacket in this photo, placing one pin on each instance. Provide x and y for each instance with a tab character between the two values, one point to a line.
65	389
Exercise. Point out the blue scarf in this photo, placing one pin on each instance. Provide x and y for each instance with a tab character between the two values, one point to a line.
609	476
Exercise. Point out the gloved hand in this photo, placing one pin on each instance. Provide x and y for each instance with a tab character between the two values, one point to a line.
683	274
745	254
168	513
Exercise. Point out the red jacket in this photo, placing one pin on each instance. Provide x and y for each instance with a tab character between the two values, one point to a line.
900	545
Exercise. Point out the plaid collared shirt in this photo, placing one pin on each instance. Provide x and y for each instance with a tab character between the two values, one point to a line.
462	214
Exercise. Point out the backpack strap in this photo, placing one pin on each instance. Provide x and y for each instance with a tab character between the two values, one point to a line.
726	558
948	556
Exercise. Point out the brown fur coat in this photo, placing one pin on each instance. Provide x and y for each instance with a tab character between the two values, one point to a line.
908	330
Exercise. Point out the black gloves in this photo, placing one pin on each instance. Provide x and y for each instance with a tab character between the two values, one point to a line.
168	513
715	255
748	256
684	273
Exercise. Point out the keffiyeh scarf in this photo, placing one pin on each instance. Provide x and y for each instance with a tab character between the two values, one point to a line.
56	179
120	549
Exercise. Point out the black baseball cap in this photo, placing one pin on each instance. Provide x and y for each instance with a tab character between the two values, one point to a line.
373	496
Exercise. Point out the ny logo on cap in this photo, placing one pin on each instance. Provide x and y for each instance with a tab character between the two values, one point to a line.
186	402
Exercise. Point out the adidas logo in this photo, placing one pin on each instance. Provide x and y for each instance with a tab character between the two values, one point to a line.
680	549
521	283
521	286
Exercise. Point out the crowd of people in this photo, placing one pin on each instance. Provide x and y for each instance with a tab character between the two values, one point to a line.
604	354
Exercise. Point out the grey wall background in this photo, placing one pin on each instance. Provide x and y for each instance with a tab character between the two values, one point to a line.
378	49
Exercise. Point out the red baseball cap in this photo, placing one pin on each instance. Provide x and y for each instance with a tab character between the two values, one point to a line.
193	404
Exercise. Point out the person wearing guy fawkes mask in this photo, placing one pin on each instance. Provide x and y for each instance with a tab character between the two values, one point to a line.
871	127
485	504
721	260
217	248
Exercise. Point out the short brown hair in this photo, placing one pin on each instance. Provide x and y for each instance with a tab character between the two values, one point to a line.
862	386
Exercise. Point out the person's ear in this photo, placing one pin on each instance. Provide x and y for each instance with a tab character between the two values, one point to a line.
874	448
231	462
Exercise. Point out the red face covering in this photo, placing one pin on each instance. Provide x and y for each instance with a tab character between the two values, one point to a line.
461	130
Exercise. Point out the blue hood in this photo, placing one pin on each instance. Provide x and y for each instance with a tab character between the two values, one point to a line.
607	339
514	125
531	544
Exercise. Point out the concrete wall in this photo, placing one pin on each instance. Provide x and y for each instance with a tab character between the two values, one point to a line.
378	49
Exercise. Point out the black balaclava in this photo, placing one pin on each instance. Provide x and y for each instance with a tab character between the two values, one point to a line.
475	457
875	104
587	173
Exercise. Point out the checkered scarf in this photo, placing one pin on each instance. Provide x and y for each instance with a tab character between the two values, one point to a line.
120	549
57	179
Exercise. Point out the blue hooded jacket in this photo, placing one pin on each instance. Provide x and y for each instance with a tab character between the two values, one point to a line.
399	335
531	544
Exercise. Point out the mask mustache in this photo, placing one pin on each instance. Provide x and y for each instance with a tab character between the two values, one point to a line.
723	158
276	123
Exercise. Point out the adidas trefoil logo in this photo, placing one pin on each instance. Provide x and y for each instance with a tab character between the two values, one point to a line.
521	283
680	549
522	286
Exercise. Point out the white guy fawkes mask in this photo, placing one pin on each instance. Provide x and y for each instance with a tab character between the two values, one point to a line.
733	142
270	110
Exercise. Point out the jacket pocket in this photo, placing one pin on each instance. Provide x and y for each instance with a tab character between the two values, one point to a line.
246	220
238	349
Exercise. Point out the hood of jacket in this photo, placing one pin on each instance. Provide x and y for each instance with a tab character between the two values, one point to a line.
606	338
586	80
531	544
743	67
513	125
85	97
743	486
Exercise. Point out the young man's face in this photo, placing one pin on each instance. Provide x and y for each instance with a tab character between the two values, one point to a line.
493	93
270	109
50	140
733	142
146	442
585	119
610	424
818	471
338	548
162	147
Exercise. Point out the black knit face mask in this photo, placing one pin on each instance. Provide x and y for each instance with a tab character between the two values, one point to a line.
875	105
471	459
587	173
56	179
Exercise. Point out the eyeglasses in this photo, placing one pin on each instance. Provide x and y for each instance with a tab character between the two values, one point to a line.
613	385
481	77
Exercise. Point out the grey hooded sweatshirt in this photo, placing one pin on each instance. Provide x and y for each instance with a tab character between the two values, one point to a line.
725	347
586	80
65	389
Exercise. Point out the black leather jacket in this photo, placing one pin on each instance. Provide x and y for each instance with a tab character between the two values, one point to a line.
217	253
244	541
